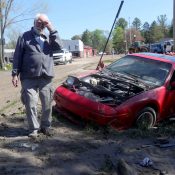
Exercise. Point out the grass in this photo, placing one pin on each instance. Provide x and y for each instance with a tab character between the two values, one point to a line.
7	67
9	106
163	129
108	61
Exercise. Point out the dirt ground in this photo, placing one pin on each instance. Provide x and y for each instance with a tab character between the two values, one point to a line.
77	149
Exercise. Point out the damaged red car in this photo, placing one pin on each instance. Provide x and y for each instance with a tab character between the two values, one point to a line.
135	90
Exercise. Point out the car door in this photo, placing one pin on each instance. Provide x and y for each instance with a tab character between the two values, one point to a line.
169	101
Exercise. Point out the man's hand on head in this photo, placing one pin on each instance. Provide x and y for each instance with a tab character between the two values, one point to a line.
46	22
49	26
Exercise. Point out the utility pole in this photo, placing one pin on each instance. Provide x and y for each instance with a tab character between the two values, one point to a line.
130	39
1	39
126	43
174	24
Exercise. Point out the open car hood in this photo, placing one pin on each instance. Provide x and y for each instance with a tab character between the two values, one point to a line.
103	88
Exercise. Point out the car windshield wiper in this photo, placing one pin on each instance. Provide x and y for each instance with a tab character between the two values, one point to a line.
136	77
123	75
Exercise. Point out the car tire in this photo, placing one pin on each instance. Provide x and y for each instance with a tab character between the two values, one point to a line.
65	62
146	118
70	61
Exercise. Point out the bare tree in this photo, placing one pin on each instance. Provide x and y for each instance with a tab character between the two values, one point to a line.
162	19
8	17
12	36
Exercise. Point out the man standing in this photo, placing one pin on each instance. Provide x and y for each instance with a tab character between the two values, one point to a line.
33	63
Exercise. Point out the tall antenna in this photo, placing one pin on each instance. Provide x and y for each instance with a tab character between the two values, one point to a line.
121	4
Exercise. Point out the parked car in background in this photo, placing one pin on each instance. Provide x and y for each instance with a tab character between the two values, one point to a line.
100	53
157	48
136	90
168	46
62	56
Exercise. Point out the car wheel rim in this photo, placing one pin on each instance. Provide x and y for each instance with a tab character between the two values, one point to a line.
145	120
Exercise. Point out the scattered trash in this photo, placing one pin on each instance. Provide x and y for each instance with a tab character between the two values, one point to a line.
32	146
3	115
146	162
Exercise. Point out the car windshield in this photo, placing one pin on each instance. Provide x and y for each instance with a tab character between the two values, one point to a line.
150	71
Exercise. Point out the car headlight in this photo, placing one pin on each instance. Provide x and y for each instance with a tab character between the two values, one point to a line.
72	81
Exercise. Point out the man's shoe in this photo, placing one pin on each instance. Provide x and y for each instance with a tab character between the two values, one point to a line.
34	133
47	131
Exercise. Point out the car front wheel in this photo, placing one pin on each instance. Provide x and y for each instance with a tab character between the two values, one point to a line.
65	62
70	61
146	118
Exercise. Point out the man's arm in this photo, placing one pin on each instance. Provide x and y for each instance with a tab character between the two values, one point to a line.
17	61
54	38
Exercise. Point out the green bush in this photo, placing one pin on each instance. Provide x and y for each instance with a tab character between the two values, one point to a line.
8	67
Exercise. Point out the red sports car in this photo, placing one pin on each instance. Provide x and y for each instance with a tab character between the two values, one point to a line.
135	90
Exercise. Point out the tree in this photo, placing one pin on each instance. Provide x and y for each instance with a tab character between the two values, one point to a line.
121	23
9	17
155	32
98	39
12	36
162	19
87	37
146	32
118	40
76	37
136	23
109	47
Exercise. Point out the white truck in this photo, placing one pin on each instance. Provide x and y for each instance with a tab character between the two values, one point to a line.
62	56
168	45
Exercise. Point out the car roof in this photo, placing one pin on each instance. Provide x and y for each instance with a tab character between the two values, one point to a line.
156	56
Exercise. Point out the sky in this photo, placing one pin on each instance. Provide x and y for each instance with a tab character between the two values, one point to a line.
73	17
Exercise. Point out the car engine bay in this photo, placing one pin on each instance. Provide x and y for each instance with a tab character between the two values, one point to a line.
104	89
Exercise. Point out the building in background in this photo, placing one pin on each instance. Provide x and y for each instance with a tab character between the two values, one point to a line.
8	55
89	51
74	46
78	49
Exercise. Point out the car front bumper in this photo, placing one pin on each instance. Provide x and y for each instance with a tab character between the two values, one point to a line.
102	114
